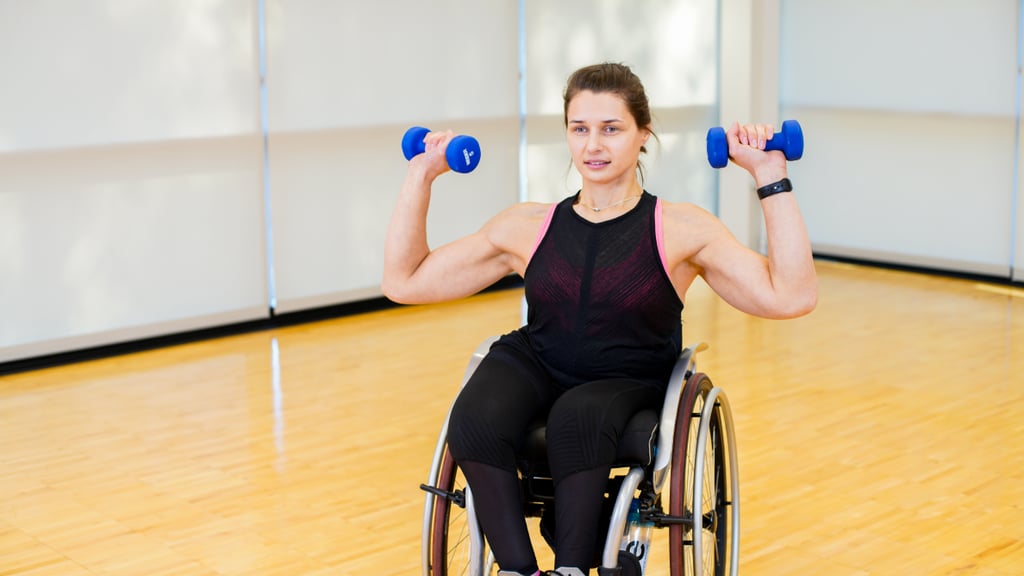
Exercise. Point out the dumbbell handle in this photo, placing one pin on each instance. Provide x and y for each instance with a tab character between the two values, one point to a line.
790	141
463	153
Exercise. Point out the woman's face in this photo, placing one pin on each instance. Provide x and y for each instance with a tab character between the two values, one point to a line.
603	137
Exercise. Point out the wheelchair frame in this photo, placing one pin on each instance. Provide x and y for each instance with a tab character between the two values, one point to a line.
683	467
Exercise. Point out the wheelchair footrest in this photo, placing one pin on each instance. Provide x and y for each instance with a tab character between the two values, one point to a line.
458	497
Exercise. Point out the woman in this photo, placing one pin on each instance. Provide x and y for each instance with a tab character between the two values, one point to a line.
605	273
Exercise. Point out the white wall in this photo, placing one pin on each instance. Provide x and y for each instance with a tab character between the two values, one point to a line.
132	182
909	110
345	80
133	190
130	179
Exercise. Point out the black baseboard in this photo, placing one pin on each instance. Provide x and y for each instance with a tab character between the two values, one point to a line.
272	321
362	307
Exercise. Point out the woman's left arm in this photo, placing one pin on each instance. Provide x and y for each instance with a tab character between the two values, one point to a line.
782	284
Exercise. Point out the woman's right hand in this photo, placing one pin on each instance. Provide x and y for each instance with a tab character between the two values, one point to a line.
747	149
432	161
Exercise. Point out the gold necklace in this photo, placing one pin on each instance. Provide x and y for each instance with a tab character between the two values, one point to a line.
613	204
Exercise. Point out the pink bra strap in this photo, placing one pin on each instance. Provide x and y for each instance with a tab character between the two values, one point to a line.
544	228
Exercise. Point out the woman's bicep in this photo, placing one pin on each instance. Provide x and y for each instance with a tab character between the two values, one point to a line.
457	269
739	275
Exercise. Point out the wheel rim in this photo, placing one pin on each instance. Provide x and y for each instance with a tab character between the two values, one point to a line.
705	472
717	522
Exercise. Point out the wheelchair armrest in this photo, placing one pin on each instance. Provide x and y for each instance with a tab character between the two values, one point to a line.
442	439
477	356
685	365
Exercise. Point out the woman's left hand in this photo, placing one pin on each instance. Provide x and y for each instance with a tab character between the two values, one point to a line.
746	149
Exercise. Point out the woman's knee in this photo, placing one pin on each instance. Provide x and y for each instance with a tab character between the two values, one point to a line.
485	428
471	432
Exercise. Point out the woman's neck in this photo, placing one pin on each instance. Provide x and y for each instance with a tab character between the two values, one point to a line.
600	197
607	203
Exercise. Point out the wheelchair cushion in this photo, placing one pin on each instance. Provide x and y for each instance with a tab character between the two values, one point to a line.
636	444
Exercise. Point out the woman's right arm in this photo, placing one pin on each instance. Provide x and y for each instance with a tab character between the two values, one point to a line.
415	274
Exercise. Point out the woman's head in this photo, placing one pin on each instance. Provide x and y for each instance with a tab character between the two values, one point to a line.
617	86
611	78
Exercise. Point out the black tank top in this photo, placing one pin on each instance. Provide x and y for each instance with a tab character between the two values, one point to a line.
600	304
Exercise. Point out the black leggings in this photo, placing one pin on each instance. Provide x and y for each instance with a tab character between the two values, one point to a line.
508	391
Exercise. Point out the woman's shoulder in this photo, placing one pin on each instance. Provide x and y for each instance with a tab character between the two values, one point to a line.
682	212
515	230
523	212
687	228
519	219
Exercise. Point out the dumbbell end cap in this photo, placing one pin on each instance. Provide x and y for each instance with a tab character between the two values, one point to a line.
718	148
463	154
794	139
412	141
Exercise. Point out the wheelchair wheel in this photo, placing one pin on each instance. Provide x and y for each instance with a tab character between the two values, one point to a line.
456	545
704	466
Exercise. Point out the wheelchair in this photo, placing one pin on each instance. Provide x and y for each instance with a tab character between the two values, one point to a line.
688	451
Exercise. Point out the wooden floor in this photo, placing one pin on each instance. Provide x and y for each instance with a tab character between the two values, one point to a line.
883	434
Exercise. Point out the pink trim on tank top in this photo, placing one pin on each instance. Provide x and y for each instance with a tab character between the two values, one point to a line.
659	236
543	229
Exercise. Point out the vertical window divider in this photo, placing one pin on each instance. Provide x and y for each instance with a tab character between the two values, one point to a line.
1015	193
524	193
268	220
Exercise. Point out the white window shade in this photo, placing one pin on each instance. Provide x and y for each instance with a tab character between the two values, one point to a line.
916	56
335	65
345	80
909	111
131	197
95	73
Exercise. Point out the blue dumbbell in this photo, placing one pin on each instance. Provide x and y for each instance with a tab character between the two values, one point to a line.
463	152
790	142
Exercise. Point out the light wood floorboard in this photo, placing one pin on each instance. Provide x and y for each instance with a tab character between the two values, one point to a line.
882	434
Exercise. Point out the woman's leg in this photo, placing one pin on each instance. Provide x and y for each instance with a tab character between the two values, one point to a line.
486	428
583	431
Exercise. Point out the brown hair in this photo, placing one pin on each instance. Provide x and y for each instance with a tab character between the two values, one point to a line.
616	79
